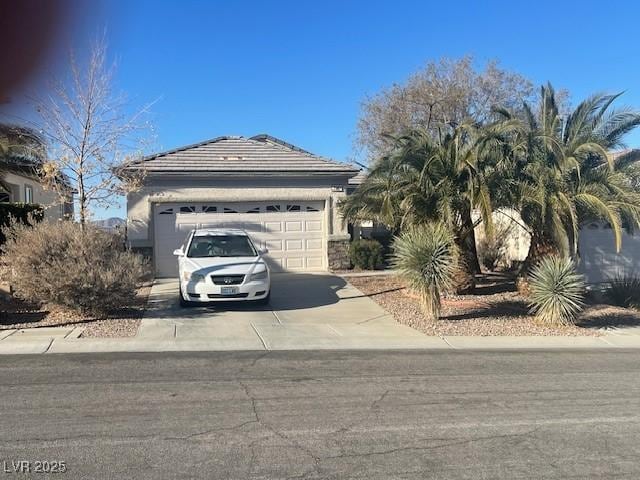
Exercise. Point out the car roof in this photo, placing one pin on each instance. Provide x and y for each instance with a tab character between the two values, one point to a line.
201	232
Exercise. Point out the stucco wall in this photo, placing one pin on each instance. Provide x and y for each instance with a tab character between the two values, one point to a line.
517	240
599	261
50	200
189	189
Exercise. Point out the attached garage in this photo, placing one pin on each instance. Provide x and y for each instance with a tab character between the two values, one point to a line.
284	197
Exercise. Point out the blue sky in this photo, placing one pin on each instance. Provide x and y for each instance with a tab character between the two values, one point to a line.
299	70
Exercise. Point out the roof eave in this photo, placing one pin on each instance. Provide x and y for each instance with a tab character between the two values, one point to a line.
266	173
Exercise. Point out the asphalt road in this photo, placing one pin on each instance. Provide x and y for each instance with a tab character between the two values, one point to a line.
410	415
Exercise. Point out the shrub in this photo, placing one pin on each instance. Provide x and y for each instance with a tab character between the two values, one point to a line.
88	270
366	254
492	250
557	291
624	291
21	212
426	258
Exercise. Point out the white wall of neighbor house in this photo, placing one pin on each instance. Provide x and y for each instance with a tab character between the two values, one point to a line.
599	261
50	200
517	237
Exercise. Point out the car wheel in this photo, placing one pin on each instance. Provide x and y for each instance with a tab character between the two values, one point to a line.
265	300
184	303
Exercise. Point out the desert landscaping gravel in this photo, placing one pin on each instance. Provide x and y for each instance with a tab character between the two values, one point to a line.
124	323
504	313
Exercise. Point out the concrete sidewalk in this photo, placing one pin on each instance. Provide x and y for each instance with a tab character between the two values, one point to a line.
17	342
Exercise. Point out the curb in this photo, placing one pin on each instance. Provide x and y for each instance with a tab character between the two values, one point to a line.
132	344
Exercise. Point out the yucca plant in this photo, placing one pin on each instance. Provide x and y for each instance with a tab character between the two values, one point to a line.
624	291
426	257
557	291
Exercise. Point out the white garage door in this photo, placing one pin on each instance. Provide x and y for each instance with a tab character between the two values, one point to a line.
292	231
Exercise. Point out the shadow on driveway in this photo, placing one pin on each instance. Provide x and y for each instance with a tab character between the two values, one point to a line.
289	291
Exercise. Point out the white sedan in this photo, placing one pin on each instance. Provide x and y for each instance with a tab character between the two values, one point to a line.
222	265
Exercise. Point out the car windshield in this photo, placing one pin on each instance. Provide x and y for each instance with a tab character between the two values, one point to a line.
221	246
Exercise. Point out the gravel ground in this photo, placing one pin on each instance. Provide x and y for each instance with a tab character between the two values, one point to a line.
123	323
500	313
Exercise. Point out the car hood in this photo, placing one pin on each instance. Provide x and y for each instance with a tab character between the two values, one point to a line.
224	265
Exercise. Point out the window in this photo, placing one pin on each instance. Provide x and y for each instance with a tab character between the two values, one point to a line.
28	194
168	211
209	209
189	209
5	197
273	208
254	210
229	210
220	246
293	208
312	209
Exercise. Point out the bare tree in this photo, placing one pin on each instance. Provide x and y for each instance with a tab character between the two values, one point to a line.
91	135
444	93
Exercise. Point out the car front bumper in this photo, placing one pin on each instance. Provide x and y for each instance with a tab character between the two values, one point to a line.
206	291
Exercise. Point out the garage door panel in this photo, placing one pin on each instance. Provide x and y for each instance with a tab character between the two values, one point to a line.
313	226
294	263
274	245
295	239
253	227
314	263
293	226
272	227
294	244
314	244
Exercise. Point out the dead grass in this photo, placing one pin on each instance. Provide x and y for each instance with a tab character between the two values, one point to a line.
497	309
16	314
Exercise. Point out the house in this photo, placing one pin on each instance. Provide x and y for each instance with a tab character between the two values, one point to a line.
20	181
284	196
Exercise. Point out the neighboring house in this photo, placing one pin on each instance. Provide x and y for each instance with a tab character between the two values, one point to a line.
285	197
24	184
365	229
599	261
113	224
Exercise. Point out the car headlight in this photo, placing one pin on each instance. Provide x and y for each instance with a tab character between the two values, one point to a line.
259	275
192	277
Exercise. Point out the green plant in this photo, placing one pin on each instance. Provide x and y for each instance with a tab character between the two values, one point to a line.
624	291
557	291
426	179
556	169
426	257
21	212
58	263
366	254
492	249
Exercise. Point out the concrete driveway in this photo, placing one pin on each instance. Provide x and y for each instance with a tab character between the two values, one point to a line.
307	311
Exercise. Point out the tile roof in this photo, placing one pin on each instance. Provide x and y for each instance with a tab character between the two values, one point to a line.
359	178
241	155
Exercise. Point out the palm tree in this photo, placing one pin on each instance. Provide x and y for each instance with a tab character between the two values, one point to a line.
558	172
423	180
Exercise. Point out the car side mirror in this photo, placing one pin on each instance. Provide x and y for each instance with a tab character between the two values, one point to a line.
178	252
263	251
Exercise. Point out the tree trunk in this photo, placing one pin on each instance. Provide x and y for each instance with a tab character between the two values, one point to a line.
469	265
467	243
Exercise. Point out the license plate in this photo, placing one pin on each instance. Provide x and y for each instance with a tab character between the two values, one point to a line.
228	290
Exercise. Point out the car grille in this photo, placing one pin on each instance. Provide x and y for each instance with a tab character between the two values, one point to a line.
237	295
227	279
